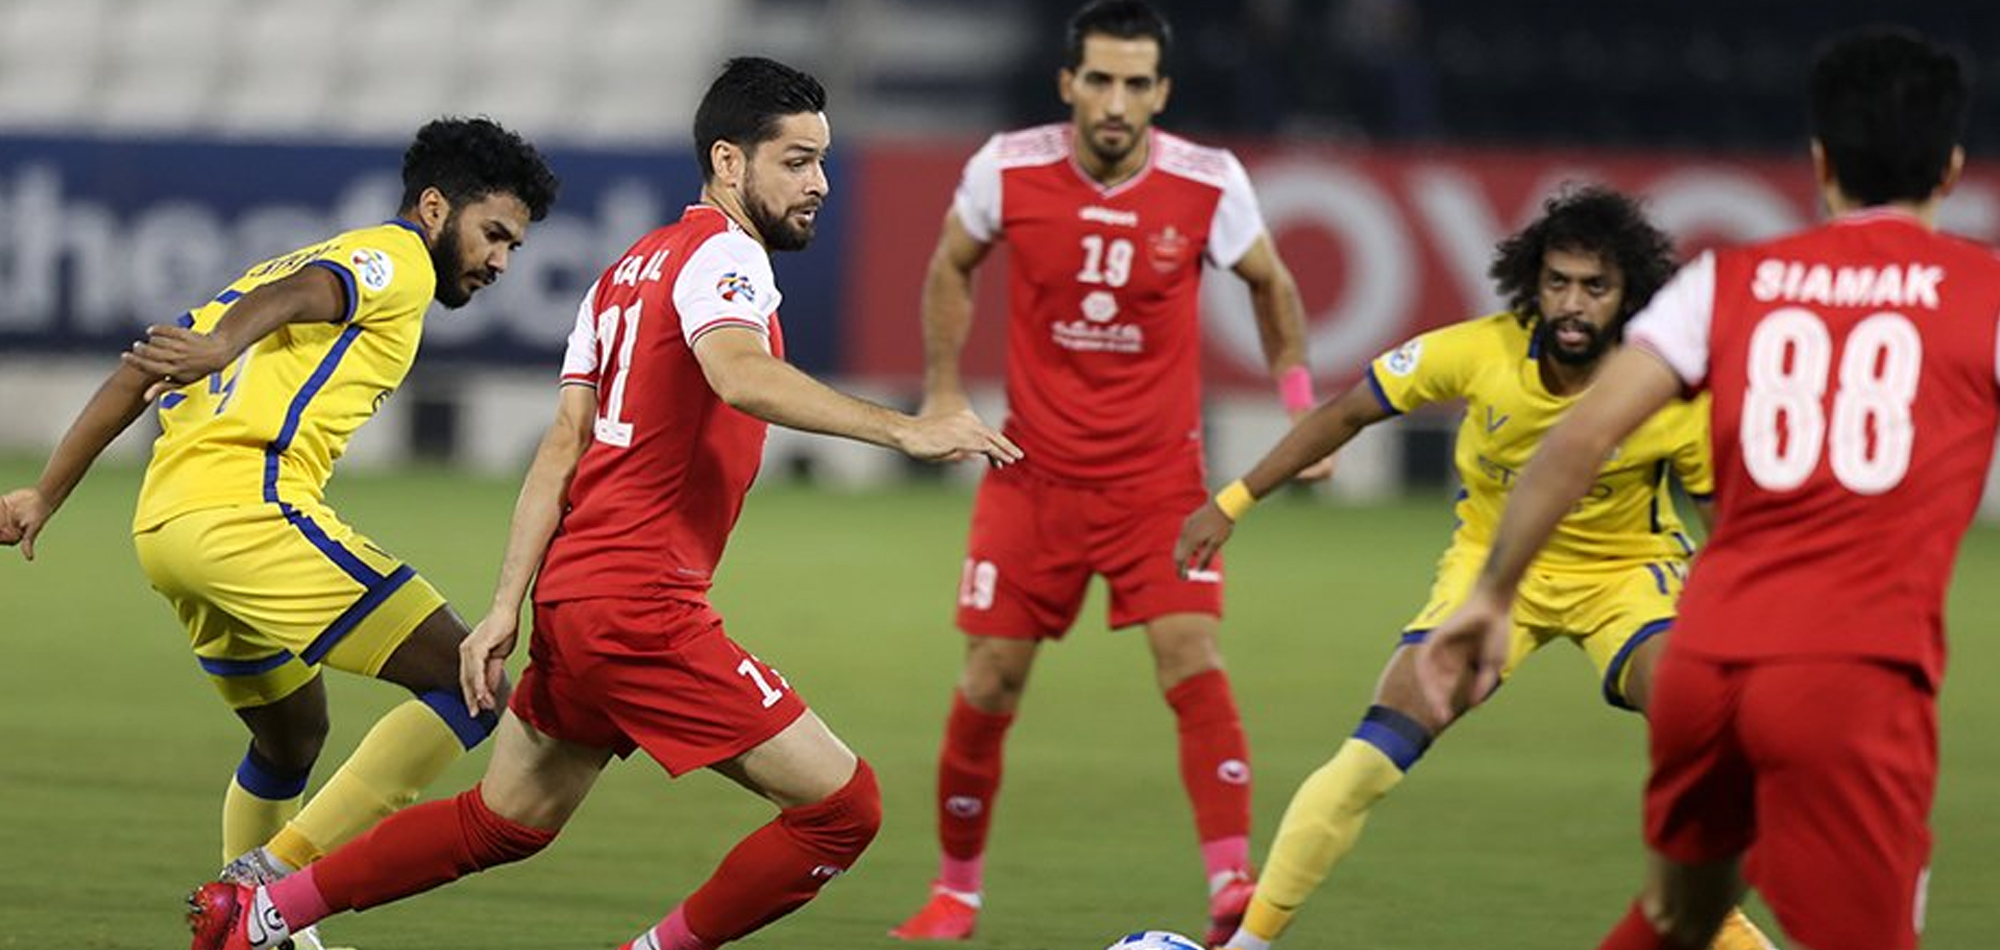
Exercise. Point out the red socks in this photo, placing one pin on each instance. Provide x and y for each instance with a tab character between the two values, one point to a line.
410	852
779	867
1215	758
968	778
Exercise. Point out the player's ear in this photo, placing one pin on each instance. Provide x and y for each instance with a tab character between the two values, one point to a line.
728	159
1952	170
432	210
1065	77
1166	88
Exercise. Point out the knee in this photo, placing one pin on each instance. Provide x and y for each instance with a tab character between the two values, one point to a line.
841	826
493	838
992	685
292	745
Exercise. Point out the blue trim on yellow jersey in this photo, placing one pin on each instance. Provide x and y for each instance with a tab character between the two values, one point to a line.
355	613
217	667
1616	670
228	296
297	410
407	223
1659	578
1413	637
341	557
1401	738
1659	491
1381	396
471	730
346	286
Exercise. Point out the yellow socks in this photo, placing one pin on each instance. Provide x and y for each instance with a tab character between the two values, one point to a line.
261	798
1319	827
407	750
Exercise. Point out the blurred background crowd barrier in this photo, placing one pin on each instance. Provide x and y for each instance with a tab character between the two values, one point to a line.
151	149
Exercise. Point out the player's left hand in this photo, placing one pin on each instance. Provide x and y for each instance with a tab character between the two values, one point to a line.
482	659
1459	663
1202	535
22	514
179	355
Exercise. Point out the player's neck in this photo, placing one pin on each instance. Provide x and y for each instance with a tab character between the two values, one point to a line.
1564	379
732	208
1839	205
1111	174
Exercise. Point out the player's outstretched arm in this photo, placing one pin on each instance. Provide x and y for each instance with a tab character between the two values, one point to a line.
1313	438
1281	331
743	372
947	314
108	413
180	355
1460	661
537	512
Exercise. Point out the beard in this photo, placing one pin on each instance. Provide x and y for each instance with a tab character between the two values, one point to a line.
1545	337
776	227
448	260
1112	154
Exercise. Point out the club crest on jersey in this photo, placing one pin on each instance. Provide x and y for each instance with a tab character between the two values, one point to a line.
1167	250
1402	361
372	267
734	286
1099	306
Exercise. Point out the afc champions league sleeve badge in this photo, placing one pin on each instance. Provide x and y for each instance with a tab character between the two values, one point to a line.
1402	361
372	268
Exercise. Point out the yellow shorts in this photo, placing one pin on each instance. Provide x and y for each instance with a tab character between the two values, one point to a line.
1607	613
269	594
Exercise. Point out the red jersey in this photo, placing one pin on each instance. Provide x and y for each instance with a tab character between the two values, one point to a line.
1853	368
1104	344
655	495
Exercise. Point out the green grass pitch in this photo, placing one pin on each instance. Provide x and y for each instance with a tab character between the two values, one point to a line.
1519	831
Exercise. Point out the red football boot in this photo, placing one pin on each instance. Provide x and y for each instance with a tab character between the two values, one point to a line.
1226	907
946	916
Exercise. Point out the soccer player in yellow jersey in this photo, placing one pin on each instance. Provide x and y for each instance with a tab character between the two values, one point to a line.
1607	581
258	392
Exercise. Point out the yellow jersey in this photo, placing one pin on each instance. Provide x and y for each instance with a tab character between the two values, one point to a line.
267	427
1627	517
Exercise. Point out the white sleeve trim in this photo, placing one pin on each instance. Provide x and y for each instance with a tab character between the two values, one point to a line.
977	201
579	363
727	280
1675	326
1238	222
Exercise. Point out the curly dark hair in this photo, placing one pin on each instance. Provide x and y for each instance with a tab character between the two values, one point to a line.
470	158
1592	220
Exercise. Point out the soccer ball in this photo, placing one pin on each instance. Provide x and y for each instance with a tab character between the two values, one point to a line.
1155	940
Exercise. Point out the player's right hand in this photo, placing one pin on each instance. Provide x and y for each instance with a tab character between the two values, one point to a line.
23	512
955	436
482	659
179	355
1202	535
1459	662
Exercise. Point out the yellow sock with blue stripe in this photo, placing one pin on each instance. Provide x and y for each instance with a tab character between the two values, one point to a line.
261	798
1327	813
409	747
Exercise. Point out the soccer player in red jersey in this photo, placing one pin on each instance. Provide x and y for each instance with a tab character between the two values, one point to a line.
1109	223
674	369
1853	373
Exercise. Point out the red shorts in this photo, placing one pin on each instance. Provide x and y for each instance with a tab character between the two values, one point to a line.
1822	770
1035	544
653	674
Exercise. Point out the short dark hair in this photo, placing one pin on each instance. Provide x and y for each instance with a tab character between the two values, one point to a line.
1122	19
744	104
1888	107
1591	220
469	159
